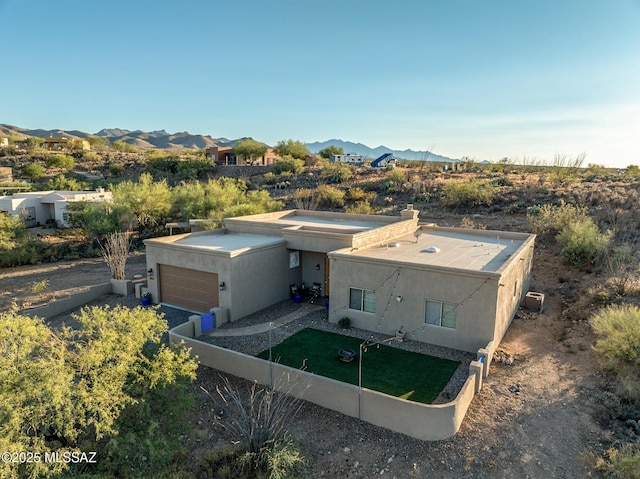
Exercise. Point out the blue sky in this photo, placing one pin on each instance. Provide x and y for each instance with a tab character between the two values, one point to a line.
485	79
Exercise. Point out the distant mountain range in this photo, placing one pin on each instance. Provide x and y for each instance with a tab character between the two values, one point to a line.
185	140
364	150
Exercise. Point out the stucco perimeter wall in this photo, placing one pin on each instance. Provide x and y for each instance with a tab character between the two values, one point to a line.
475	295
72	301
422	421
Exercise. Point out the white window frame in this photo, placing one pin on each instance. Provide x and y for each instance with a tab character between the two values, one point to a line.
365	302
446	312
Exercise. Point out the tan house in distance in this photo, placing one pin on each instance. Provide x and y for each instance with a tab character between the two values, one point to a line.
452	287
225	155
52	143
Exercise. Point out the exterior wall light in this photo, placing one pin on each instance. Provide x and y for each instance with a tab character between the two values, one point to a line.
222	286
318	267
399	298
150	273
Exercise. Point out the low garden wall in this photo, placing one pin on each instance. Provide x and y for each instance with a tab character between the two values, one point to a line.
72	301
422	421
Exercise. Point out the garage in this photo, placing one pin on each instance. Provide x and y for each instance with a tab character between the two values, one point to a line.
188	288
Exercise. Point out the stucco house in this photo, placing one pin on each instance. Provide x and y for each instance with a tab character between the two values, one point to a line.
40	207
226	155
452	287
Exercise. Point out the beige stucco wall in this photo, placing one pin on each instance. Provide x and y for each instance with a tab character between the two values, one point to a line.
422	421
474	319
516	278
253	279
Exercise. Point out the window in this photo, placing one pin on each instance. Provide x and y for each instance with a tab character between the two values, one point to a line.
440	314
362	300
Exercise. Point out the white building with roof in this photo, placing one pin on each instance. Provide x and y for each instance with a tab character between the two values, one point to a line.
452	287
42	207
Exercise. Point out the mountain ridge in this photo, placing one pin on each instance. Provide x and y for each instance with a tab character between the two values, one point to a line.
185	140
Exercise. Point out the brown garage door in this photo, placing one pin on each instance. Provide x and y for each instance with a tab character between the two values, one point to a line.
188	288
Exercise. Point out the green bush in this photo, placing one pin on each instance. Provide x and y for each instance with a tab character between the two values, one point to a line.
358	194
466	194
360	208
395	180
33	171
330	196
336	172
551	219
582	243
618	331
293	165
344	323
622	463
64	162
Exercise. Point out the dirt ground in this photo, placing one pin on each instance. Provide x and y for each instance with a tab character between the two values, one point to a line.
532	419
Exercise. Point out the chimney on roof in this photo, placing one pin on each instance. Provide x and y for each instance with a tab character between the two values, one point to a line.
409	213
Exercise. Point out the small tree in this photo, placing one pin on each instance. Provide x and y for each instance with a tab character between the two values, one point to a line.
250	150
288	163
115	251
330	150
33	171
64	162
293	148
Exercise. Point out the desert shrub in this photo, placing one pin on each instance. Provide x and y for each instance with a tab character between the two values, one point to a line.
90	157
288	163
621	463
395	179
551	219
116	170
306	199
336	172
330	196
618	331
344	323
62	183
466	194
582	243
123	147
361	208
258	422
64	162
621	266
33	171
358	194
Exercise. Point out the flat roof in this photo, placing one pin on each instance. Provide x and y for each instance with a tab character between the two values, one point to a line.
340	222
449	249
234	243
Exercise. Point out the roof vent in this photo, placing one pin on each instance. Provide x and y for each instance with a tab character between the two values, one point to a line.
432	249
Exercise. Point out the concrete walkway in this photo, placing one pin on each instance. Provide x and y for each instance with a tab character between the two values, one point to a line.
264	327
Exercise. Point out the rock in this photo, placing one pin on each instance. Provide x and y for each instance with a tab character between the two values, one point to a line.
346	450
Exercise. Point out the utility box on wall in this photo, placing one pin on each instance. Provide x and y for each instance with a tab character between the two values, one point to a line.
534	302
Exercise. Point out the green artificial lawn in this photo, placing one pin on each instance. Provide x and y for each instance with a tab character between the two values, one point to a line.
413	376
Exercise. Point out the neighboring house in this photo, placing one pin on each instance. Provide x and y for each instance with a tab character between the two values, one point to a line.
348	158
452	287
52	143
225	155
40	207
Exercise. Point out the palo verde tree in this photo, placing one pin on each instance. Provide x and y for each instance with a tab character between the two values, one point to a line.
108	386
250	150
331	150
148	201
293	148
